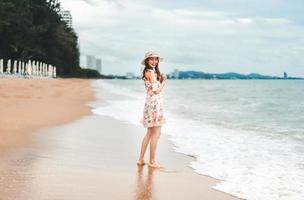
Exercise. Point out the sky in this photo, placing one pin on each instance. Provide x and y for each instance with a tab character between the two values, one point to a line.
215	36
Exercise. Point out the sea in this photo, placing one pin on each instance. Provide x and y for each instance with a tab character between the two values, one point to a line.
247	133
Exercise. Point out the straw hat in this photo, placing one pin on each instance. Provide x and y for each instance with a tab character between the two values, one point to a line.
149	55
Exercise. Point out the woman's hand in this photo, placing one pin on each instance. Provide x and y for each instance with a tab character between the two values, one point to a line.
163	77
157	91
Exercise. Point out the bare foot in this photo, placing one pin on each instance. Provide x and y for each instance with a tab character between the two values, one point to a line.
155	165
141	162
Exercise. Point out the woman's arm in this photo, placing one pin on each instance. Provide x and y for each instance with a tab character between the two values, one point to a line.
163	81
162	84
152	79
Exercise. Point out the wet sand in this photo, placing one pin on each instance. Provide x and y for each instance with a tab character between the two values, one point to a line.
94	157
26	105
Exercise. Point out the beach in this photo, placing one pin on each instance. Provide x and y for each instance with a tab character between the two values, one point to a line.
26	105
54	147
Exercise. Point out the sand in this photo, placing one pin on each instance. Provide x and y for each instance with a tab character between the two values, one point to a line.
94	157
26	105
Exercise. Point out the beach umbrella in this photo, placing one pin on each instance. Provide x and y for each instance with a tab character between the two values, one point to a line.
22	68
1	66
29	67
19	67
15	67
40	71
38	68
54	72
8	69
44	69
50	71
34	68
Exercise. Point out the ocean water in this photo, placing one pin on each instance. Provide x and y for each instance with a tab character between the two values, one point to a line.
248	133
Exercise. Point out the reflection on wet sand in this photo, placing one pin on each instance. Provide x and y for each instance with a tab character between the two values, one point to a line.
144	184
70	164
94	158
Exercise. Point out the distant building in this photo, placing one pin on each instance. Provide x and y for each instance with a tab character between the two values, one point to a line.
176	74
94	63
98	65
285	75
91	62
66	17
130	75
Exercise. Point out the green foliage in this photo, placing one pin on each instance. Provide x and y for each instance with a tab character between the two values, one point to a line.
87	73
32	29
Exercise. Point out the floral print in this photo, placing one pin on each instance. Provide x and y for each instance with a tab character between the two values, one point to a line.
153	114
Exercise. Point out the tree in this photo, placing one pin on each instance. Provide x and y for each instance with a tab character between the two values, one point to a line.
33	29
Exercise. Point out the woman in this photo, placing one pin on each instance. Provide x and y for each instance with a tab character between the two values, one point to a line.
153	116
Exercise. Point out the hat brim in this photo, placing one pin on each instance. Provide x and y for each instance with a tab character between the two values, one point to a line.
159	58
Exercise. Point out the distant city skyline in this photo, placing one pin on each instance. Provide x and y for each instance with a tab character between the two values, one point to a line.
263	37
91	62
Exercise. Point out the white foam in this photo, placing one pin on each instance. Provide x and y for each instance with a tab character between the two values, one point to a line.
252	164
129	107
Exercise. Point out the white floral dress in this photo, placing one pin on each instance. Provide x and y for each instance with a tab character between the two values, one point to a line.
153	114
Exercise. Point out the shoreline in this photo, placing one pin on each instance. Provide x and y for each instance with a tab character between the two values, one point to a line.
95	156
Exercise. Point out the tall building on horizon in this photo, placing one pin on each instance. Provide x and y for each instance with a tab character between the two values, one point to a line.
67	17
94	63
98	65
91	62
176	73
285	75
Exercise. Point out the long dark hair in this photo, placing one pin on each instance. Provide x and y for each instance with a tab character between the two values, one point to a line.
147	66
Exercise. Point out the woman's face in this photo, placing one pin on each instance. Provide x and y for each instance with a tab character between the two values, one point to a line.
152	61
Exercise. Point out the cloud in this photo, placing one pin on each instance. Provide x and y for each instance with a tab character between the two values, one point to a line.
120	32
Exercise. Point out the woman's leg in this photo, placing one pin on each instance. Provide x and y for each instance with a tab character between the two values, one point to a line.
153	144
144	145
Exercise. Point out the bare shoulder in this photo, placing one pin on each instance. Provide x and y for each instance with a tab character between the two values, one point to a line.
150	75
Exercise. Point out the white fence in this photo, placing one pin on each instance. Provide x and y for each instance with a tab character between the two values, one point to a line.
30	69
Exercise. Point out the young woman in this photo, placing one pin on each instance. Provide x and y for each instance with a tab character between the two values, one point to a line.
153	116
